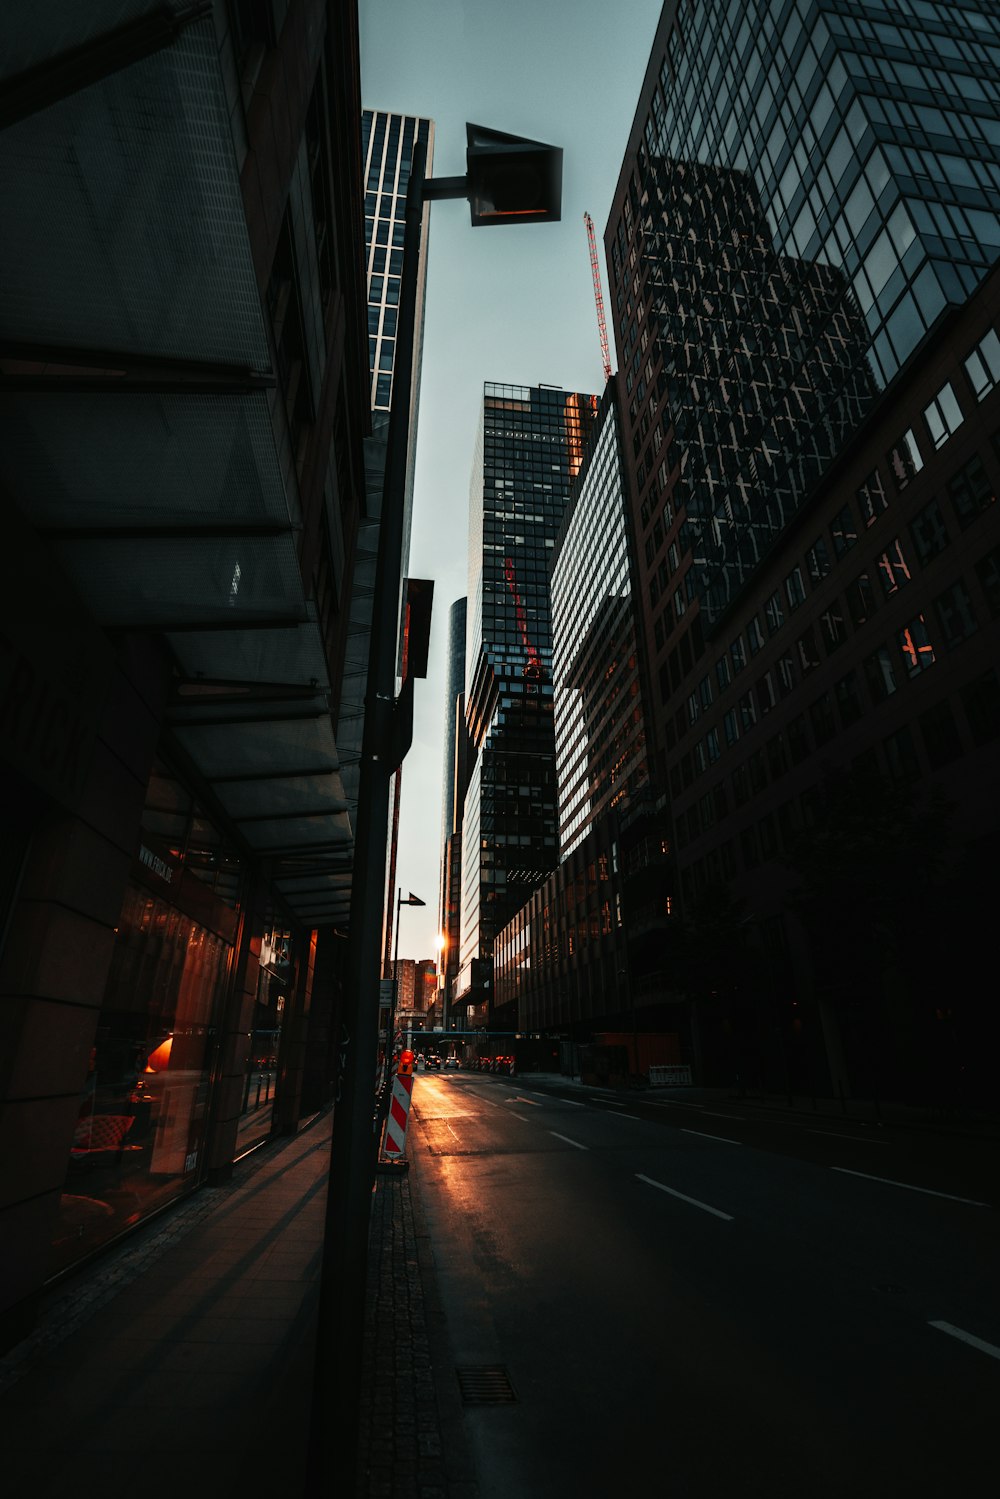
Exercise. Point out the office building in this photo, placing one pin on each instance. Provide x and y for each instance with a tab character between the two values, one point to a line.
387	153
454	781
802	251
530	447
185	403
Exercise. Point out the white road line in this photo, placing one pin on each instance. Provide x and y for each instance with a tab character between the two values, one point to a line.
971	1201
723	1116
967	1337
674	1103
528	1101
836	1134
702	1136
609	1101
568	1140
692	1200
572	1103
523	1118
627	1116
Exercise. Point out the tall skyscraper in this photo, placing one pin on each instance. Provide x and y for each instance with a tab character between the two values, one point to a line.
598	700
387	152
456	771
803	252
530	447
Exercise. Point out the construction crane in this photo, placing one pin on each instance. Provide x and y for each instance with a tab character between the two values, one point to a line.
595	271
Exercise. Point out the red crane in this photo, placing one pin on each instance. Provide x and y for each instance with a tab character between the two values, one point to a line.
595	271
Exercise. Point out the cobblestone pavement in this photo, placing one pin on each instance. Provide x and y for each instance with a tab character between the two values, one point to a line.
412	1443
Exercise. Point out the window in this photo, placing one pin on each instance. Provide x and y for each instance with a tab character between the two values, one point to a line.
723	673
824	725
795	588
848	694
777	757
970	492
983	365
879	675
981	701
694	708
892	569
915	646
766	694
755	635
705	692
773	613
871	499
741	785
956	615
786	675
818	561
929	532
901	755
799	746
808	651
861	600
942	741
738	654
748	711
832	627
731	727
943	416
713	746
988	573
904	460
843	532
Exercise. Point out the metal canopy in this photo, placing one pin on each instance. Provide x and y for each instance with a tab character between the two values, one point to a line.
168	492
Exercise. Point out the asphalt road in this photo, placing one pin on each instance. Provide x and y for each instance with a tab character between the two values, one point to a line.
701	1302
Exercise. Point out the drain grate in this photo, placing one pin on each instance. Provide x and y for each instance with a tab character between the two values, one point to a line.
485	1384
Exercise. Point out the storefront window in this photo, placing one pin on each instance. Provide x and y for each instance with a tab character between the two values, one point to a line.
140	1129
273	988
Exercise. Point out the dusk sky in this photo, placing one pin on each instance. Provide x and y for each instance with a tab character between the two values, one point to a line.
507	304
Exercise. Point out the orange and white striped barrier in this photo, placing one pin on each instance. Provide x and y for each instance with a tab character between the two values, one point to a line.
394	1140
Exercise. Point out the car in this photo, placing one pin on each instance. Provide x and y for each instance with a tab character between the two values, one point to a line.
451	1064
432	1064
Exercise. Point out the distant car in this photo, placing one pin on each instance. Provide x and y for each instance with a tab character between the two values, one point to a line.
451	1064
432	1064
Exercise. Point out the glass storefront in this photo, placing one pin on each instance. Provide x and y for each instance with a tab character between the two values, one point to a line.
274	981
143	1112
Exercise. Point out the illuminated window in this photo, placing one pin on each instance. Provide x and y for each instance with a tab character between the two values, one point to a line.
892	569
871	499
915	646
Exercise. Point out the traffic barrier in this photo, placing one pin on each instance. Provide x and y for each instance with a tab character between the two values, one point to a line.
670	1077
394	1140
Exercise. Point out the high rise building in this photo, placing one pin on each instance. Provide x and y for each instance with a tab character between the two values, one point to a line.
387	154
454	781
803	255
597	693
530	447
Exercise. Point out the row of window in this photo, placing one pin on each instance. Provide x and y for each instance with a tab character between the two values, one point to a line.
938	735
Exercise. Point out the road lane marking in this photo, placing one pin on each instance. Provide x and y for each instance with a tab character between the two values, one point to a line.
723	1116
673	1103
572	1102
836	1134
523	1118
702	1136
530	1102
650	1181
627	1116
967	1337
568	1140
928	1191
609	1101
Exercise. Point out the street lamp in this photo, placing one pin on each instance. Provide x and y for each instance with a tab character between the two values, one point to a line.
411	900
508	180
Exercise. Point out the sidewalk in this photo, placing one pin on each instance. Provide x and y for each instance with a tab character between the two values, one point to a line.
182	1360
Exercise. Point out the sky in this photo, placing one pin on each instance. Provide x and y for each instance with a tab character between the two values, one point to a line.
512	304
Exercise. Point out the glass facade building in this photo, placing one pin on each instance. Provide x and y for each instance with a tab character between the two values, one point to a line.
456	770
597	696
810	184
530	447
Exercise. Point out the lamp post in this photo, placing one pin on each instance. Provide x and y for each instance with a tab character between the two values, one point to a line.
411	900
508	180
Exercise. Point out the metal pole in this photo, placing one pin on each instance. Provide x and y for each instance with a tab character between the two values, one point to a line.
335	1415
